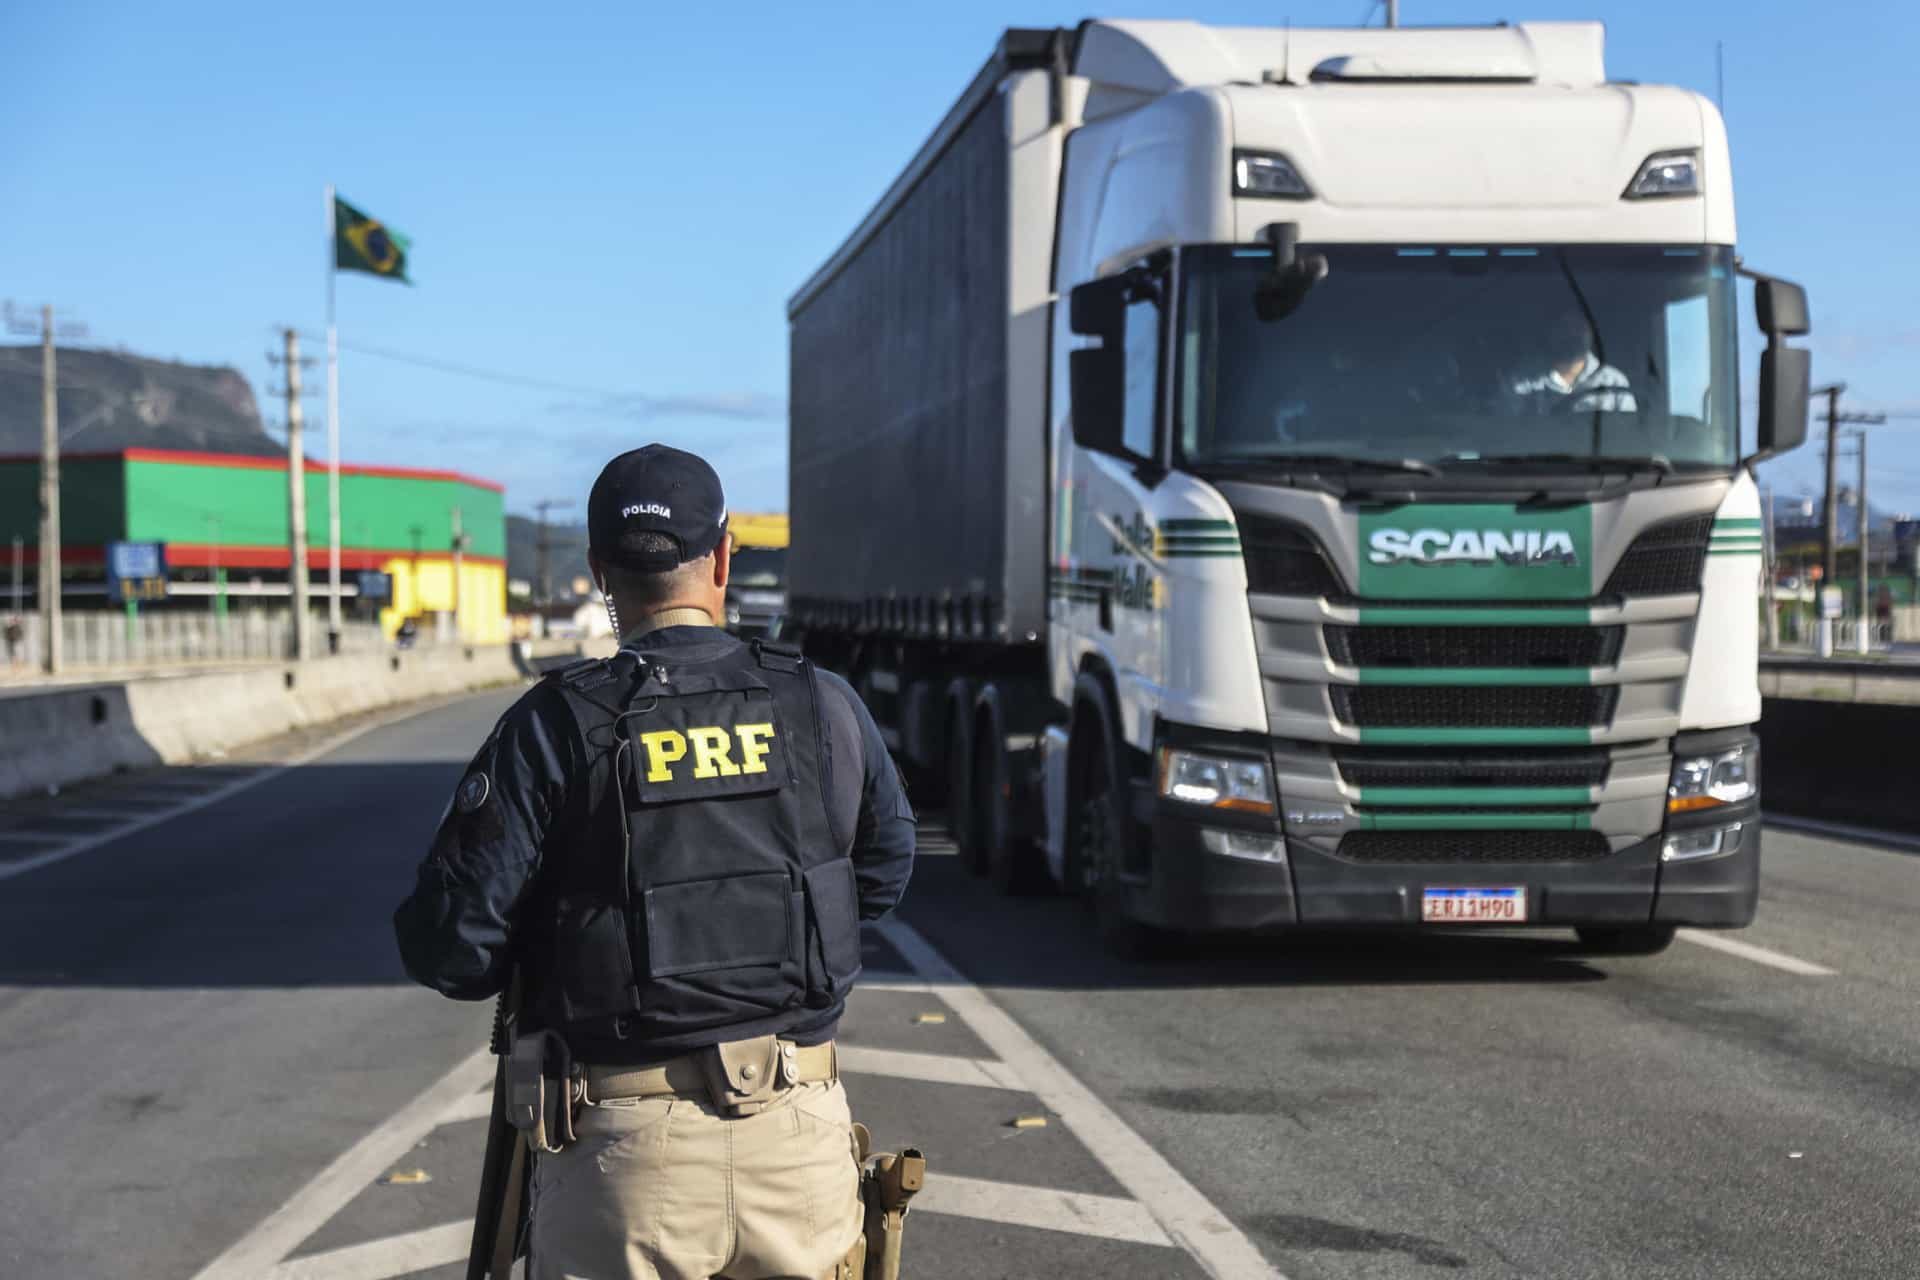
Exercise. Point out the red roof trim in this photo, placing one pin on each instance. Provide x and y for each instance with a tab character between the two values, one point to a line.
248	462
196	555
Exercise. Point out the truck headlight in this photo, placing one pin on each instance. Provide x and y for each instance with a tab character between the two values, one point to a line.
1683	846
1666	173
1709	781
1218	782
1269	175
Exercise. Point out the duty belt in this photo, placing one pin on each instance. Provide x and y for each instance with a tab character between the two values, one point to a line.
740	1078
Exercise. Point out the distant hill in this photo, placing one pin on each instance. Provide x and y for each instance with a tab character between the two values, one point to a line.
116	400
567	558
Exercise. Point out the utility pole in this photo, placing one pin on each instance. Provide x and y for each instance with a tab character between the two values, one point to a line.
459	559
297	503
1393	13
1865	641
543	589
1830	526
49	497
1772	571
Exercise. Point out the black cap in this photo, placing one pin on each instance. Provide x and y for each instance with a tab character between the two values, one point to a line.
658	489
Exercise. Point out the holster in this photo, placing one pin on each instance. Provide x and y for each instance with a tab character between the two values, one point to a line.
542	1090
887	1183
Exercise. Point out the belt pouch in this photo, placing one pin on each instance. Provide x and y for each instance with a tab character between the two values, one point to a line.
540	1090
741	1074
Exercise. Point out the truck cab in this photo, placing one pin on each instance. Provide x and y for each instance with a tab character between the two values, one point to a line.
1402	534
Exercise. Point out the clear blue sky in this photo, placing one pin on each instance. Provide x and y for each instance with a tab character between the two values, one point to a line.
620	197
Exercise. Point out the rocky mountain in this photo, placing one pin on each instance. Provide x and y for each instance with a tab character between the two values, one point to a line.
117	400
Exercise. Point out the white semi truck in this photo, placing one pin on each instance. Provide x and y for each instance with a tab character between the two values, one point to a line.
1279	478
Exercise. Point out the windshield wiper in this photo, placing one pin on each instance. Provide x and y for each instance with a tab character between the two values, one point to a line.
1412	466
1597	461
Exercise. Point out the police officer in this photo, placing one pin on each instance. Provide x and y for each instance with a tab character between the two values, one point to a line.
675	847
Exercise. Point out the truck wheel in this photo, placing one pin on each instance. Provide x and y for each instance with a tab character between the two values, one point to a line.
962	810
1012	864
1631	940
1097	826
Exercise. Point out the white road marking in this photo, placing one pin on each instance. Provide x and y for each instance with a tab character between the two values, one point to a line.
1759	955
1077	1212
475	1106
1108	1217
890	980
94	841
383	1259
1187	1217
309	1208
938	1068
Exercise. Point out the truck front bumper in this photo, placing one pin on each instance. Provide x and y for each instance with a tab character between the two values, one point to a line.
1190	886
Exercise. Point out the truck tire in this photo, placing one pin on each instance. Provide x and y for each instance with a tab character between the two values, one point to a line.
1630	940
1099	822
962	810
1012	864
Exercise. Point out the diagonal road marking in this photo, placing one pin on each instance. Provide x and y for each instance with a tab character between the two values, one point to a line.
1188	1218
383	1259
281	1232
203	799
1759	955
1009	1203
1108	1217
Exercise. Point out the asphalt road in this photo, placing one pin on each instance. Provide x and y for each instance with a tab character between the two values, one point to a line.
212	1065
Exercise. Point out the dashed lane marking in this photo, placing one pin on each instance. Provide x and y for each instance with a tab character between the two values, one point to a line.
1188	1218
309	1208
1759	955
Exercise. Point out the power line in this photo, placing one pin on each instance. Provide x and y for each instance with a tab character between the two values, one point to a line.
471	371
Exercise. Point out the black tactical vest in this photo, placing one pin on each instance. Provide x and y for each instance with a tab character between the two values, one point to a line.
710	898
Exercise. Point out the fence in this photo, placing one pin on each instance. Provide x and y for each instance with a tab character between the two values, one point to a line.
152	639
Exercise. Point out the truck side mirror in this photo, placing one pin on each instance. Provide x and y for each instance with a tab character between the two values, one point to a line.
1786	373
1097	382
1098	308
1781	308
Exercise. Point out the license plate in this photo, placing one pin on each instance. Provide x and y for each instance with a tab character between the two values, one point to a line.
1474	906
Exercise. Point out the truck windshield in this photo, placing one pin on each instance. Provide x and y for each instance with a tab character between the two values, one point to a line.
1464	357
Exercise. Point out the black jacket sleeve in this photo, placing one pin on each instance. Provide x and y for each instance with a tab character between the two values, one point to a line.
455	928
884	827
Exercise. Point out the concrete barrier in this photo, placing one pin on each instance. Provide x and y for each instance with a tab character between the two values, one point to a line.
74	732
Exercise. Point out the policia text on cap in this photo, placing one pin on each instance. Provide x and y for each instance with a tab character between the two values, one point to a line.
670	852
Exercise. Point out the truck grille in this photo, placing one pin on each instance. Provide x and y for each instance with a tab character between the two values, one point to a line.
1665	560
1473	707
1283	559
1456	768
1389	646
1473	846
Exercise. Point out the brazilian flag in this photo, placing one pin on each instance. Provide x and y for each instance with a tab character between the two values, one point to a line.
366	244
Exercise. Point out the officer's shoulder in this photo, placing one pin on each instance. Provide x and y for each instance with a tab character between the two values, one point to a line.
579	675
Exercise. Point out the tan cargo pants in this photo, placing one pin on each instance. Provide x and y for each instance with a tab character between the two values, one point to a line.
668	1189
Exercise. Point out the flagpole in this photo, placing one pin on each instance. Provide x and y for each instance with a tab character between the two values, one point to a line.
333	442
